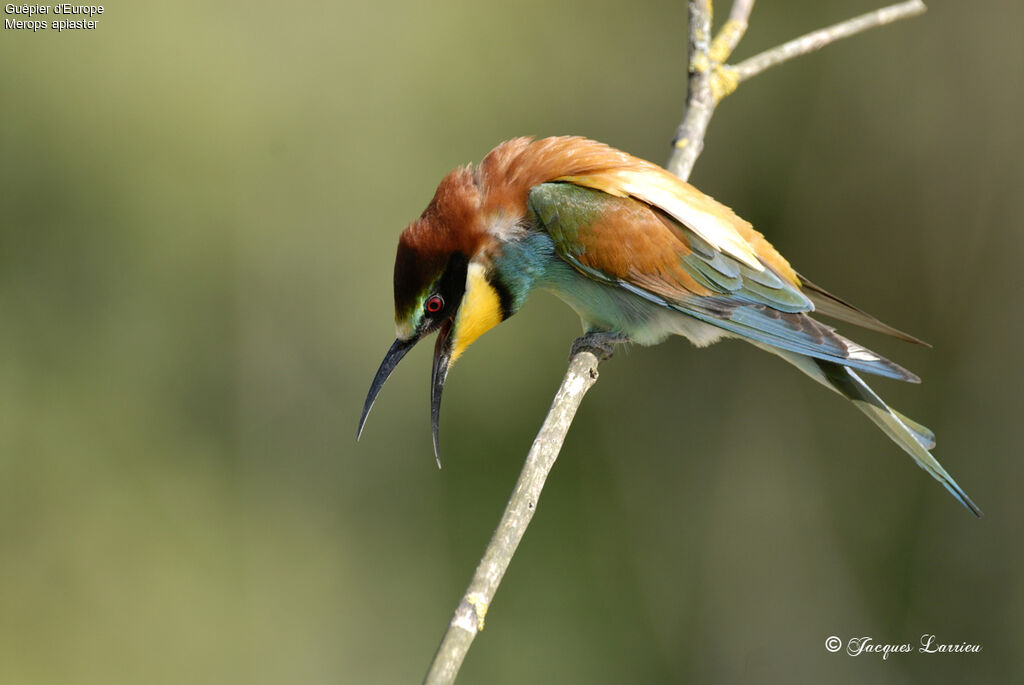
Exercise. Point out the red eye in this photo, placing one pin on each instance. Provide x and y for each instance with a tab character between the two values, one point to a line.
435	304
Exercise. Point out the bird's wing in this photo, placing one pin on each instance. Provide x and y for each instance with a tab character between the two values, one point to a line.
738	283
705	217
828	304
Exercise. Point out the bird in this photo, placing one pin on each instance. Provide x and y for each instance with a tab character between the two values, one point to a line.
640	255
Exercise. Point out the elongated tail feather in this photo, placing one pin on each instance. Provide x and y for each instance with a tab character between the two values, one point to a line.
914	438
924	436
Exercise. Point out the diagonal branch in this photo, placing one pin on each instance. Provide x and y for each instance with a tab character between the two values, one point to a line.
709	80
469	614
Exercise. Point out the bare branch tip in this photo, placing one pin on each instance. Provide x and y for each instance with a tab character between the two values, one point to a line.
816	40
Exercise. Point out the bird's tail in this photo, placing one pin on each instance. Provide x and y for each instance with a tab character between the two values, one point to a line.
915	439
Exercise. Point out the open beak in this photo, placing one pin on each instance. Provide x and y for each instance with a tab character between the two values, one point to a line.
399	348
442	359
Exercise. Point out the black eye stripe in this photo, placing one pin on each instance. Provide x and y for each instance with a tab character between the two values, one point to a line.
454	278
453	281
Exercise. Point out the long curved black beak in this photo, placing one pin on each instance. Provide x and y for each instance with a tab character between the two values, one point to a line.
399	348
442	359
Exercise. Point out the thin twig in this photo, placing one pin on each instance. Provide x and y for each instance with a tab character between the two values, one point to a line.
469	615
819	39
709	80
731	33
700	105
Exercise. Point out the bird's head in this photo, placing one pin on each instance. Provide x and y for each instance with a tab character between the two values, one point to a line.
443	283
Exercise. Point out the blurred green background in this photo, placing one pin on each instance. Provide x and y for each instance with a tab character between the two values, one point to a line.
200	203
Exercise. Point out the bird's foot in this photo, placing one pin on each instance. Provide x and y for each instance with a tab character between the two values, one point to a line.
600	344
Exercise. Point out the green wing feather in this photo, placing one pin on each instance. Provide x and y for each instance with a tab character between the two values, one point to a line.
672	266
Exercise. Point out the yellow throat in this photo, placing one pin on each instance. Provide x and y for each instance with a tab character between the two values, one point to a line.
479	312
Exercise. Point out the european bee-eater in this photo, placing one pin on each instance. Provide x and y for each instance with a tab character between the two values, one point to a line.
639	254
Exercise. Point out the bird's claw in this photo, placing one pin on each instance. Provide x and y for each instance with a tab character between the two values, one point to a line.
601	345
